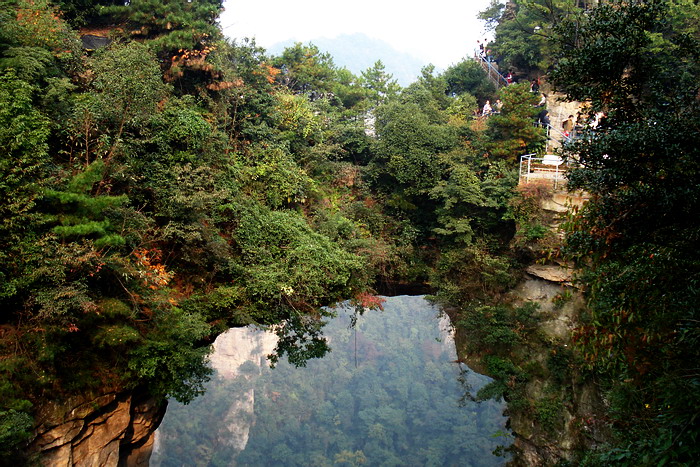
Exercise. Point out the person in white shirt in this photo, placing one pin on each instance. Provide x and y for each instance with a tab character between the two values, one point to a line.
487	110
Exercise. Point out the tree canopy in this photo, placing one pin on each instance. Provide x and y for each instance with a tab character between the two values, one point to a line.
173	184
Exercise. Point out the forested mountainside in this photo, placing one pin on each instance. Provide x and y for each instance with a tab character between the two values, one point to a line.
394	399
172	184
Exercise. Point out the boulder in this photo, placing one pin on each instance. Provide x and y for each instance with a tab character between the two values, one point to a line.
551	273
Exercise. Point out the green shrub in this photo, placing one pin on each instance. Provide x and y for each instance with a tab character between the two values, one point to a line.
496	328
15	429
562	298
559	363
548	412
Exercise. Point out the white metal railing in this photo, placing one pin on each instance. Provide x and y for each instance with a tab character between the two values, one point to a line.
493	74
547	167
558	134
555	135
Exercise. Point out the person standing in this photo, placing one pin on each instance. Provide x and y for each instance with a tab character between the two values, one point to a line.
597	119
543	100
568	126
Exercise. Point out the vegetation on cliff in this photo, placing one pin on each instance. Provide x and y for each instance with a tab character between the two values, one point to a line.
635	66
172	184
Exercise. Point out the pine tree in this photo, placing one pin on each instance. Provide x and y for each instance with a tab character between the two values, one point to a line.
82	214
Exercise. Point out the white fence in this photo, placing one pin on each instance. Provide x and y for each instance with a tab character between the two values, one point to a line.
548	167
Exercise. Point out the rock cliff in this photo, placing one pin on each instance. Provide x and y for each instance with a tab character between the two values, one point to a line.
232	350
565	403
113	429
554	411
563	418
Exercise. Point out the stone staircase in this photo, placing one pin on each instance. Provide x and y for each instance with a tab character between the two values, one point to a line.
559	111
492	71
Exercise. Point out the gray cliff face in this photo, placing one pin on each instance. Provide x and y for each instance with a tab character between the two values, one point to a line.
237	353
232	350
573	427
557	411
114	429
550	434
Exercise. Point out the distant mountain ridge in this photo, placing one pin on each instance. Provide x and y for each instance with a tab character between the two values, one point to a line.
357	52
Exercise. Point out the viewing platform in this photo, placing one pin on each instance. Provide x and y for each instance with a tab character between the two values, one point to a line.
548	167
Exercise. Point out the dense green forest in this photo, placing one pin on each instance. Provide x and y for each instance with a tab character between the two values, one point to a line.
173	184
399	406
635	243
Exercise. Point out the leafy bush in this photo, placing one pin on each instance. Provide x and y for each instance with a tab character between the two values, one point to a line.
172	361
285	261
468	274
497	328
548	412
15	429
508	382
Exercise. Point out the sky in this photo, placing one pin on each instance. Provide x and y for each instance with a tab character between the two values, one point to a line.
441	32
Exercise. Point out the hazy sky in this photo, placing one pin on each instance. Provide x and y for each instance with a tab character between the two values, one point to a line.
437	31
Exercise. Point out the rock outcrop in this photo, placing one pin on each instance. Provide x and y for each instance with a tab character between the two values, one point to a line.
543	438
232	350
114	429
237	353
554	409
563	417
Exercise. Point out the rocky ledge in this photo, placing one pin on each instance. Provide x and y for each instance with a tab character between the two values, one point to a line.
114	429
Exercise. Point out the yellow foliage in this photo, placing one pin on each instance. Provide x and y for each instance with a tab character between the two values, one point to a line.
152	272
